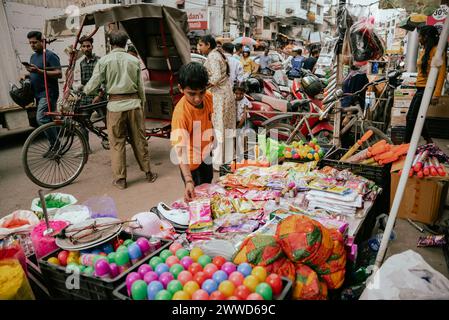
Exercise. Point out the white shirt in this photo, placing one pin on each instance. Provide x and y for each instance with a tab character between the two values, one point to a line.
241	107
235	69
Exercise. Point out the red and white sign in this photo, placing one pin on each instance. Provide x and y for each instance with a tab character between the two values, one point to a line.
197	19
438	18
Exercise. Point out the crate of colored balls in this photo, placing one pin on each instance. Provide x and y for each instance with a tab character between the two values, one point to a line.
179	274
301	151
100	269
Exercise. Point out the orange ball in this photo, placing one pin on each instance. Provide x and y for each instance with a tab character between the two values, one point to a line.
227	288
251	282
190	287
260	273
181	295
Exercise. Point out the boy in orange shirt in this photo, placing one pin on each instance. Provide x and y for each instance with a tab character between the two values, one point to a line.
191	128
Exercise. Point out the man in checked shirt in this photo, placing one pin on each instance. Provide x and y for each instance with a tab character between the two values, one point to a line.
87	66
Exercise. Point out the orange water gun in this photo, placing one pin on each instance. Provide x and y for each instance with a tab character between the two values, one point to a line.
248	163
357	145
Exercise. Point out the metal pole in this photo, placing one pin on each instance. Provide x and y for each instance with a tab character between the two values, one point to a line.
428	92
412	50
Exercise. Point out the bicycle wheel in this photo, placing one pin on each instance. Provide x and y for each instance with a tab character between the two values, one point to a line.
283	132
377	134
58	164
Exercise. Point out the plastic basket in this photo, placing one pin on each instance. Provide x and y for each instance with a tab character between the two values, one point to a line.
121	293
90	287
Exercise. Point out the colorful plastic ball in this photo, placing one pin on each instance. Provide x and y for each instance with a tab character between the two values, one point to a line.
134	251
171	260
89	271
150	276
176	269
242	292
164	295
121	258
181	253
144	269
251	282
121	248
236	278
73	268
227	288
165	254
195	268
210	269
217	295
128	242
96	251
161	268
220	276
174	286
53	260
62	257
102	268
275	282
200	277
143	244
190	287
131	278
260	273
153	289
265	291
115	271
245	269
254	296
204	260
111	257
229	267
233	298
184	277
196	253
165	278
186	262
175	246
209	286
218	261
181	295
139	290
108	248
117	243
200	295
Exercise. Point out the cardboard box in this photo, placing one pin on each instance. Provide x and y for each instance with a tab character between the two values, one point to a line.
423	199
398	116
440	110
402	101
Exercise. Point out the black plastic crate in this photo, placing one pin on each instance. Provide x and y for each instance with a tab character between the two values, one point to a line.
121	292
438	127
90	287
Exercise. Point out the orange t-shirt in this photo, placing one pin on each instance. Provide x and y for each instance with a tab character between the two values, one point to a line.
191	127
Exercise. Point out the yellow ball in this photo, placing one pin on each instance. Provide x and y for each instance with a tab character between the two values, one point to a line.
73	259
195	253
227	288
251	282
260	273
181	295
53	260
190	287
74	254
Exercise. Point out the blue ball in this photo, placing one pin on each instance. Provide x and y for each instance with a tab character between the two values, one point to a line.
209	286
134	251
108	248
153	288
245	269
161	268
220	276
96	251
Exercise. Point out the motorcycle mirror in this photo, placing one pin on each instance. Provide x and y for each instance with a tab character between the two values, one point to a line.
339	93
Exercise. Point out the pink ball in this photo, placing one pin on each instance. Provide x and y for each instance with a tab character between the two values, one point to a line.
144	269
165	278
143	245
210	269
184	277
236	278
172	260
115	270
150	276
228	267
130	279
254	296
102	268
175	246
200	295
186	262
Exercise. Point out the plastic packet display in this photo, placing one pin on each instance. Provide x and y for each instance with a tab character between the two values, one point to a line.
200	214
221	206
243	205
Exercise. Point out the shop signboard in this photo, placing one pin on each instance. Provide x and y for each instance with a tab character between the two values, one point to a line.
197	19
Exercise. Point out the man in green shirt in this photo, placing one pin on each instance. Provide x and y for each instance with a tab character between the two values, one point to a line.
120	74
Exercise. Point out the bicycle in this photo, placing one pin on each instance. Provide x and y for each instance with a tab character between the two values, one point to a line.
58	163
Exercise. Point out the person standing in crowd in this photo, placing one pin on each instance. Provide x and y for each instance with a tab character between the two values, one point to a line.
87	66
249	66
265	62
296	63
310	62
193	112
238	51
235	67
120	72
428	38
35	68
224	104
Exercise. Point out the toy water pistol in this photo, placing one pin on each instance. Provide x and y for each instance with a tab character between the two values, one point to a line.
357	145
438	167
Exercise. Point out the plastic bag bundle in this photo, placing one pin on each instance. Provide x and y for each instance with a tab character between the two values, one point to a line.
307	285
260	250
283	267
101	207
364	42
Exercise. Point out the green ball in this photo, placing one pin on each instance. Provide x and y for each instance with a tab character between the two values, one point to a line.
174	286
204	260
99	257
163	295
139	290
73	267
165	254
176	269
127	242
82	268
155	261
122	248
181	253
121	258
89	271
111	257
264	289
